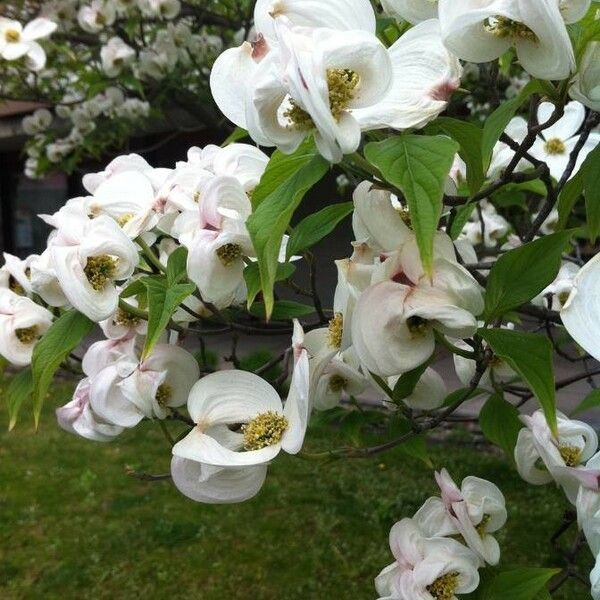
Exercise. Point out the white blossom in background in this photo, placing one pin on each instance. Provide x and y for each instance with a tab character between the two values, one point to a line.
22	324
17	41
586	83
482	30
115	56
96	16
560	289
560	139
487	227
38	122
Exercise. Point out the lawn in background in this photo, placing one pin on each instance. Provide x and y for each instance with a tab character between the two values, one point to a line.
73	525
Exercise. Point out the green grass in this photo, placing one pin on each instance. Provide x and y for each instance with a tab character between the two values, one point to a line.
73	525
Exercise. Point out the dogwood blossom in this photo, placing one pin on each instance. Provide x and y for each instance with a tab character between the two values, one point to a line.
331	82
267	427
561	138
426	568
575	443
22	323
116	55
474	511
17	41
580	311
77	417
482	30
88	257
586	83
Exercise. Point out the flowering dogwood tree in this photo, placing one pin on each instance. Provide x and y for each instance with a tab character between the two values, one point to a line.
106	69
474	237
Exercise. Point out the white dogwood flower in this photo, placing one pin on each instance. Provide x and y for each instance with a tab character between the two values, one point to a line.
22	323
398	335
240	420
580	312
96	16
126	393
77	417
44	281
561	138
482	30
586	83
332	83
115	56
413	11
217	240
89	256
474	511
575	444
426	568
15	274
17	41
560	289
38	122
429	392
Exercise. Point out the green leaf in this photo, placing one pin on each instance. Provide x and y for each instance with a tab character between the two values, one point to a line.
315	227
418	165
470	137
463	213
591	191
163	301
177	266
518	584
407	382
500	423
252	278
64	335
592	400
283	310
18	390
281	168
531	356
521	274
497	122
235	136
287	182
416	446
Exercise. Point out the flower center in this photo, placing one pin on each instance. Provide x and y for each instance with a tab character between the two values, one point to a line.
264	430
570	454
124	219
563	297
555	146
12	36
404	215
15	286
337	383
125	319
164	393
504	27
100	19
341	83
336	329
27	335
481	528
417	326
229	253
444	587
99	270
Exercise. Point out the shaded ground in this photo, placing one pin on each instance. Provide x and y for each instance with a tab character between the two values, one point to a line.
72	525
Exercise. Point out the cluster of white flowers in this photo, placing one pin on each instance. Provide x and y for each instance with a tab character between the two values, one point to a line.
439	551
